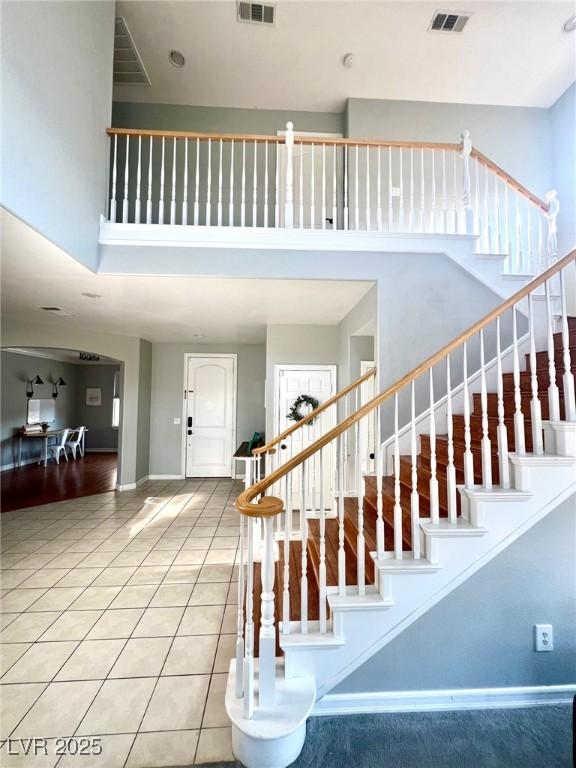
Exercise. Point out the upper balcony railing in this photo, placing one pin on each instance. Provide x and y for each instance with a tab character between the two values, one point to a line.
290	181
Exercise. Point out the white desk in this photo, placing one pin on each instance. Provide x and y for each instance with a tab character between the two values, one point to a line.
44	436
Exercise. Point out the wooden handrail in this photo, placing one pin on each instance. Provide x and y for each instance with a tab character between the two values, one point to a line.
268	506
249	137
376	143
269	447
510	180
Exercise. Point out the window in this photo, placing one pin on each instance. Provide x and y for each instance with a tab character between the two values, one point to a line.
116	402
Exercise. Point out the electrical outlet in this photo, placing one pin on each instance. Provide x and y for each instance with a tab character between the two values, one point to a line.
543	637
177	420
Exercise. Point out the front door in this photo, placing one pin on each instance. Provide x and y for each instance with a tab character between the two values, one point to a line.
210	409
320	383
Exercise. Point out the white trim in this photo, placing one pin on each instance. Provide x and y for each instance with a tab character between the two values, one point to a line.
101	450
333	369
166	477
132	486
459	698
187	356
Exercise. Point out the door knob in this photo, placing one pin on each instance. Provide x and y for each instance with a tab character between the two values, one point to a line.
189	431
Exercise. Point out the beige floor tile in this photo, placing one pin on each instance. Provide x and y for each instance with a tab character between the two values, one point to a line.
71	625
182	574
134	597
92	660
225	542
114	577
191	655
209	594
159	622
201	620
58	710
95	597
142	657
215	713
229	624
15	701
191	557
66	560
220	557
16	754
80	577
211	573
7	618
128	558
159	558
171	595
214	745
197	542
149	574
226	650
46	577
11	579
163	749
40	663
115	749
10	653
116	623
56	599
177	703
118	707
19	599
28	627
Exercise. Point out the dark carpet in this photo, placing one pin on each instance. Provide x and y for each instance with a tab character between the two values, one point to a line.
531	737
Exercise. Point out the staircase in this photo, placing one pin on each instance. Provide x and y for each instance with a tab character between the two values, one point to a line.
475	466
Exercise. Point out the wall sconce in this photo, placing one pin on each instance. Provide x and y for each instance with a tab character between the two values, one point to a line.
31	384
56	384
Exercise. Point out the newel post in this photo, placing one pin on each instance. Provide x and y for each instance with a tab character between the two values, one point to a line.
267	661
552	216
466	183
289	191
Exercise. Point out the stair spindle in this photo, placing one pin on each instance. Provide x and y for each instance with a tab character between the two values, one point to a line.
421	223
360	544
531	266
411	213
323	209
397	505
197	186
231	199
255	187
312	189
322	565
379	191
414	495
249	632
497	227
535	406
502	431
519	438
401	190
149	194
487	226
286	574
341	550
219	208
356	189
455	193
444	194
239	690
468	457
162	171
486	445
277	188
301	186
137	207
114	174
243	187
208	221
433	194
434	501
126	181
346	212
267	641
518	231
568	378
368	213
334	190
265	223
553	391
304	552
185	185
390	206
378	468
173	193
451	489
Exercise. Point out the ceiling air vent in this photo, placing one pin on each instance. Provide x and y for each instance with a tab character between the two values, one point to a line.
449	21
56	310
256	13
128	66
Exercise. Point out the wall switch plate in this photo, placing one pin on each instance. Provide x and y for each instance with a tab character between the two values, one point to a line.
177	420
543	637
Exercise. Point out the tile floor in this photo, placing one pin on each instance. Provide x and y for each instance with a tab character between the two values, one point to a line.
118	616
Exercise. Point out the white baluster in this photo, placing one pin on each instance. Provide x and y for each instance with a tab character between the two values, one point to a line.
455	227
162	172
243	187
289	195
451	490
507	235
126	180
149	196
185	185
468	457
401	224
368	213
346	211
502	432
173	197
209	186
411	227
379	472
421	223
114	174
277	188
553	391
322	565
249	635
390	205
301	189
255	187
197	185
433	201
552	216
469	215
360	542
323	209
568	378
531	267
137	207
334	191
267	650
519	439
286	574
414	495
231	200
444	194
239	690
304	552
219	208
541	254
497	227
341	550
356	191
479	224
434	502
265	222
487	225
397	504
518	228
312	189
486	445
535	406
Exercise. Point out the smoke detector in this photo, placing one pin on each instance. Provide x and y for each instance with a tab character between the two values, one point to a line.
449	21
348	61
177	59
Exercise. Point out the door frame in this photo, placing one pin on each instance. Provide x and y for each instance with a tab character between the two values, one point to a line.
187	357
296	367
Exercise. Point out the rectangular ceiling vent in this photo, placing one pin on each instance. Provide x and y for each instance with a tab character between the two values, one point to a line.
128	66
256	13
57	311
449	21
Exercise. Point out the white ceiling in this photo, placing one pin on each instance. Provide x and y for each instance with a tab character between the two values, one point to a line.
511	53
36	273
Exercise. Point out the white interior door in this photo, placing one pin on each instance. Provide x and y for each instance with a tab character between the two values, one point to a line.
210	415
320	383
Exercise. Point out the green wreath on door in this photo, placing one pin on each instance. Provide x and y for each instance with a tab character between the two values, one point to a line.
294	413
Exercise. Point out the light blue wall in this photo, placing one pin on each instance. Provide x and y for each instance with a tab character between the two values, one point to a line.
144	401
56	104
482	634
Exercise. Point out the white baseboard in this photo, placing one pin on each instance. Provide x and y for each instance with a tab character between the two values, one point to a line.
101	450
132	486
459	698
15	465
166	477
